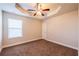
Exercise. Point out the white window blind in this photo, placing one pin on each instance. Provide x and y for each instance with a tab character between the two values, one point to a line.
14	28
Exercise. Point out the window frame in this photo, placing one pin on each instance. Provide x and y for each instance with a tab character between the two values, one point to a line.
14	28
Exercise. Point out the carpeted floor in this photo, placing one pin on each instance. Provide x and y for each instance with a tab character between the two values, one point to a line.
38	48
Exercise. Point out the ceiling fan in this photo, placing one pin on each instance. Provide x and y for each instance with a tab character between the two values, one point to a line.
37	12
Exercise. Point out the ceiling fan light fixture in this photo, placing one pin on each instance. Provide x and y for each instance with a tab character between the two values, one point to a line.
38	13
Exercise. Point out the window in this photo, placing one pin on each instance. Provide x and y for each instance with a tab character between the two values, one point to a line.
14	28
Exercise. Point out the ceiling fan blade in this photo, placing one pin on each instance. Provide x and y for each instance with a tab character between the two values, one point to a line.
45	9
34	14
18	6
42	14
31	10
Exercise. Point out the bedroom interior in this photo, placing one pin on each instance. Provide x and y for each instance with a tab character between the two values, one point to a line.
39	29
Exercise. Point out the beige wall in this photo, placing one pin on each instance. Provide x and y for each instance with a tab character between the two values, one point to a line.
0	29
62	29
32	29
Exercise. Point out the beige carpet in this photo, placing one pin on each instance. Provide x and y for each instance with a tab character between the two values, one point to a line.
39	48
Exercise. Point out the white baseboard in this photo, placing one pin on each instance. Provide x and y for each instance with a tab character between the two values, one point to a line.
63	44
20	42
38	39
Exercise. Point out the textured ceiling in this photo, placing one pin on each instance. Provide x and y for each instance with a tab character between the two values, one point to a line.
65	7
